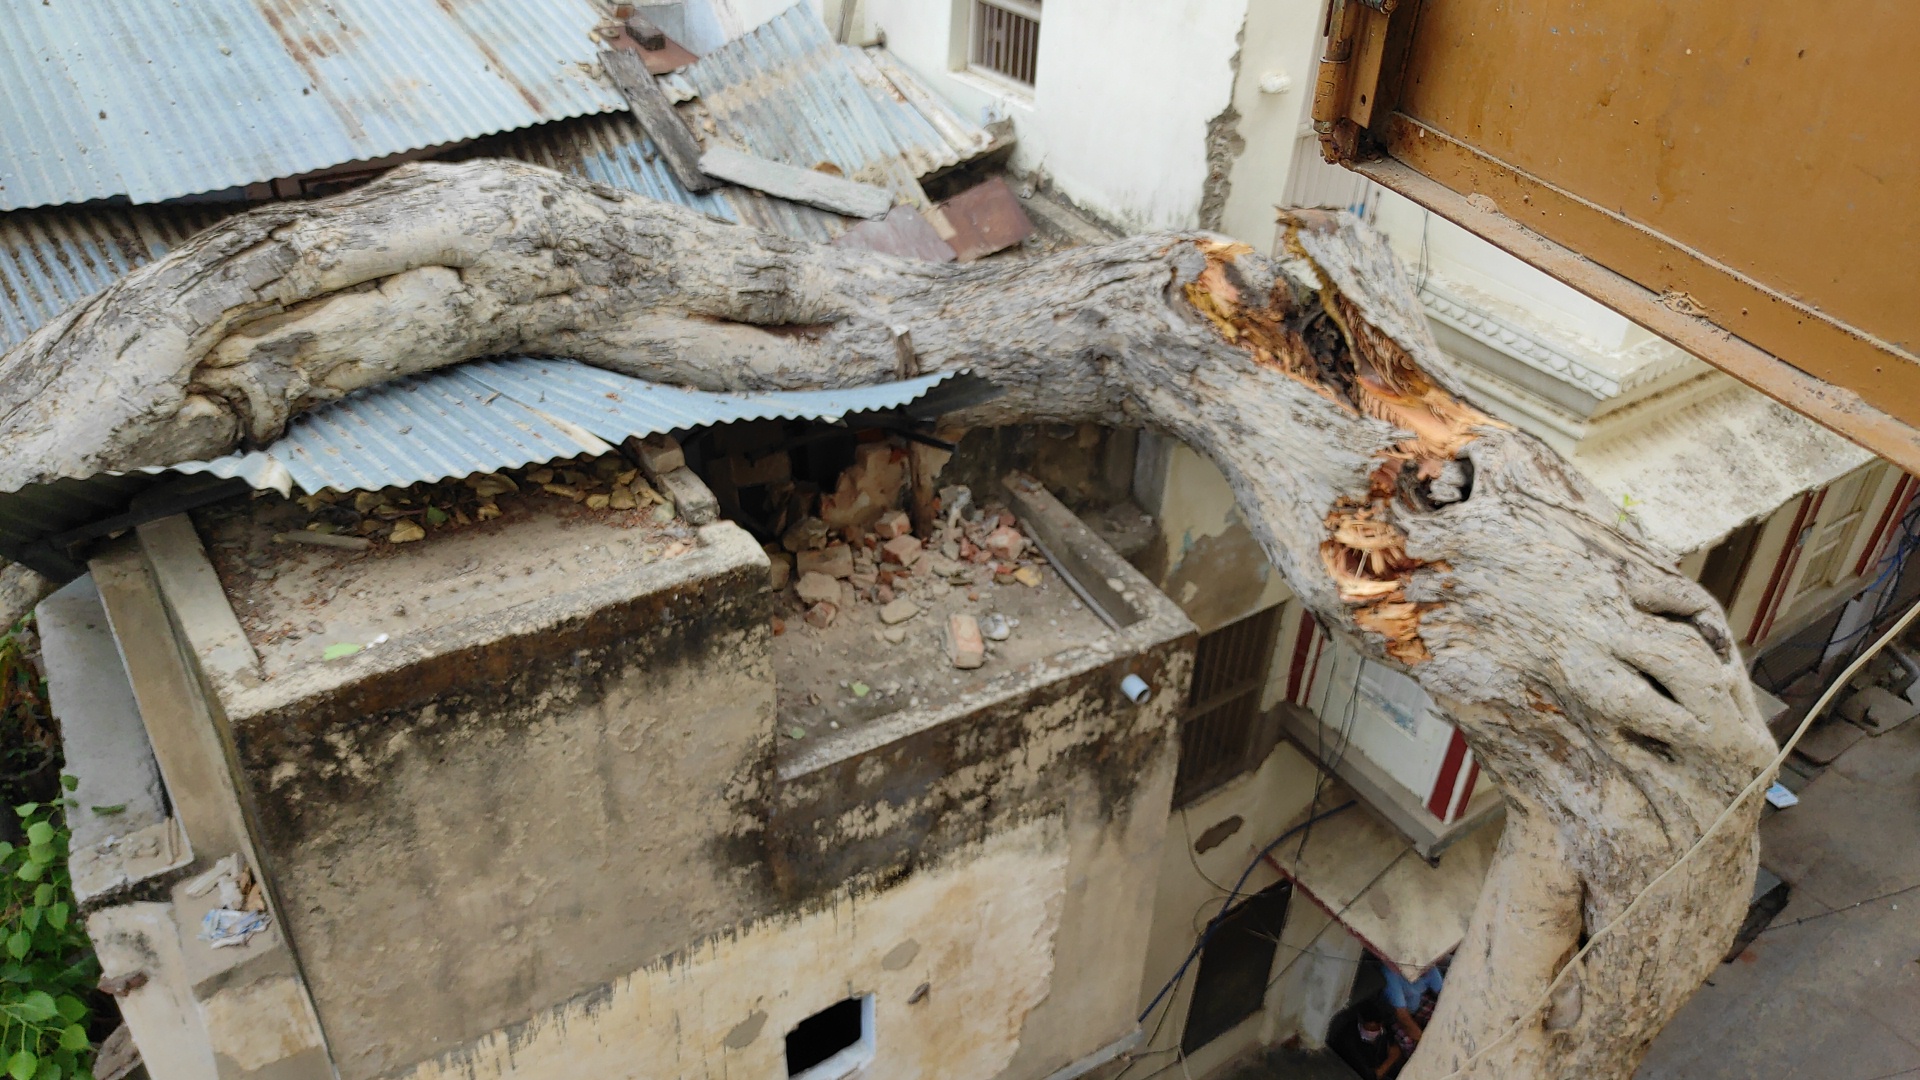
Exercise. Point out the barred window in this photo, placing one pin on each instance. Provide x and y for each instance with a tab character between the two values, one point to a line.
1224	732
1006	38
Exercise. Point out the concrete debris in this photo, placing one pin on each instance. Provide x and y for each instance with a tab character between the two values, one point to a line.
965	647
899	611
892	524
1878	709
690	496
834	560
780	570
1005	543
815	588
657	454
996	627
1027	576
821	615
955	502
894	635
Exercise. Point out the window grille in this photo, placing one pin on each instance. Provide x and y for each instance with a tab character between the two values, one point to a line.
1224	733
1006	38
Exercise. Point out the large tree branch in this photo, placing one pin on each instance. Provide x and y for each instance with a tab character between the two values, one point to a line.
1596	685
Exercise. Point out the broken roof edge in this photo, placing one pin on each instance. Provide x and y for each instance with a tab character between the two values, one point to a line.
496	413
478	416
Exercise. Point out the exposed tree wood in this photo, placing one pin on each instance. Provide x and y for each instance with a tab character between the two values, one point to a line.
1598	686
795	184
657	115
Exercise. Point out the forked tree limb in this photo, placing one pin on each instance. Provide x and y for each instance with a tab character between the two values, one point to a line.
1599	687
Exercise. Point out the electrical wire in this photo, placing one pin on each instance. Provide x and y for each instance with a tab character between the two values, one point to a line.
1528	1015
1843	910
1214	924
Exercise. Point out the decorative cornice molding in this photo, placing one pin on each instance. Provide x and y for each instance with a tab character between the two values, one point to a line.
1521	344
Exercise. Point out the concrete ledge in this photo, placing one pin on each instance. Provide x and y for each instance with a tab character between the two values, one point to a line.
123	835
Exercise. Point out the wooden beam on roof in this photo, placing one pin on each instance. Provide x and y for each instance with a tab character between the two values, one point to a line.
657	115
793	183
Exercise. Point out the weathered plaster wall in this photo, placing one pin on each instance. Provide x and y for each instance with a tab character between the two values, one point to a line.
1207	560
1279	40
993	849
1266	801
977	929
1118	115
508	817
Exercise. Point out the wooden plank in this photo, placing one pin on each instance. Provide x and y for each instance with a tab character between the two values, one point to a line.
799	185
656	114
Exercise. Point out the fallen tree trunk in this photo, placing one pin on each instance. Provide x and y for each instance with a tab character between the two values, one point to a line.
1597	686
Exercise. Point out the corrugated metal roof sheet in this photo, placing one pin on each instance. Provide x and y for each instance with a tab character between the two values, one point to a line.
51	259
788	92
100	98
495	414
614	149
475	417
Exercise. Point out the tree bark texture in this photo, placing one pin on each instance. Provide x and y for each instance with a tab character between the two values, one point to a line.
1599	687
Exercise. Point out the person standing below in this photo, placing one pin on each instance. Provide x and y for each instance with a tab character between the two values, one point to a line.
1365	1044
1412	1002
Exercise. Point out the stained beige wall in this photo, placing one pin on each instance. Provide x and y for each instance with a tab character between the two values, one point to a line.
979	931
1206	559
1267	800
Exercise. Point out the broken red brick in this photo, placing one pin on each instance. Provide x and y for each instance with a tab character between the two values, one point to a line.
1005	543
903	550
821	614
965	647
893	523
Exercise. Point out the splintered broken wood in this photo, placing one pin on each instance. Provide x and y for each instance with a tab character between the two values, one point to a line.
809	186
1597	685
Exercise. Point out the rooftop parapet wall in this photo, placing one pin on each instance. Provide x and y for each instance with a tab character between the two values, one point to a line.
467	821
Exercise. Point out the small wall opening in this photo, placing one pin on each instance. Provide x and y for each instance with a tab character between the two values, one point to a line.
833	1042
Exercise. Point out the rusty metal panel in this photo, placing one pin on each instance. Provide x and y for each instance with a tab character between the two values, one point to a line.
981	220
1737	178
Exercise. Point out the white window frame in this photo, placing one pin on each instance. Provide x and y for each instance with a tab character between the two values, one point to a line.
851	1059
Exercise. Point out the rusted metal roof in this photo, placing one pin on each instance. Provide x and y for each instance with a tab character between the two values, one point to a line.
156	101
788	92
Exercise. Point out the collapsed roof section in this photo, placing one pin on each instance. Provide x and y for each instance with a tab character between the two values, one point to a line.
476	417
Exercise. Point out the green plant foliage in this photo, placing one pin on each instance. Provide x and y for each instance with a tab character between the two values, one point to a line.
47	965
